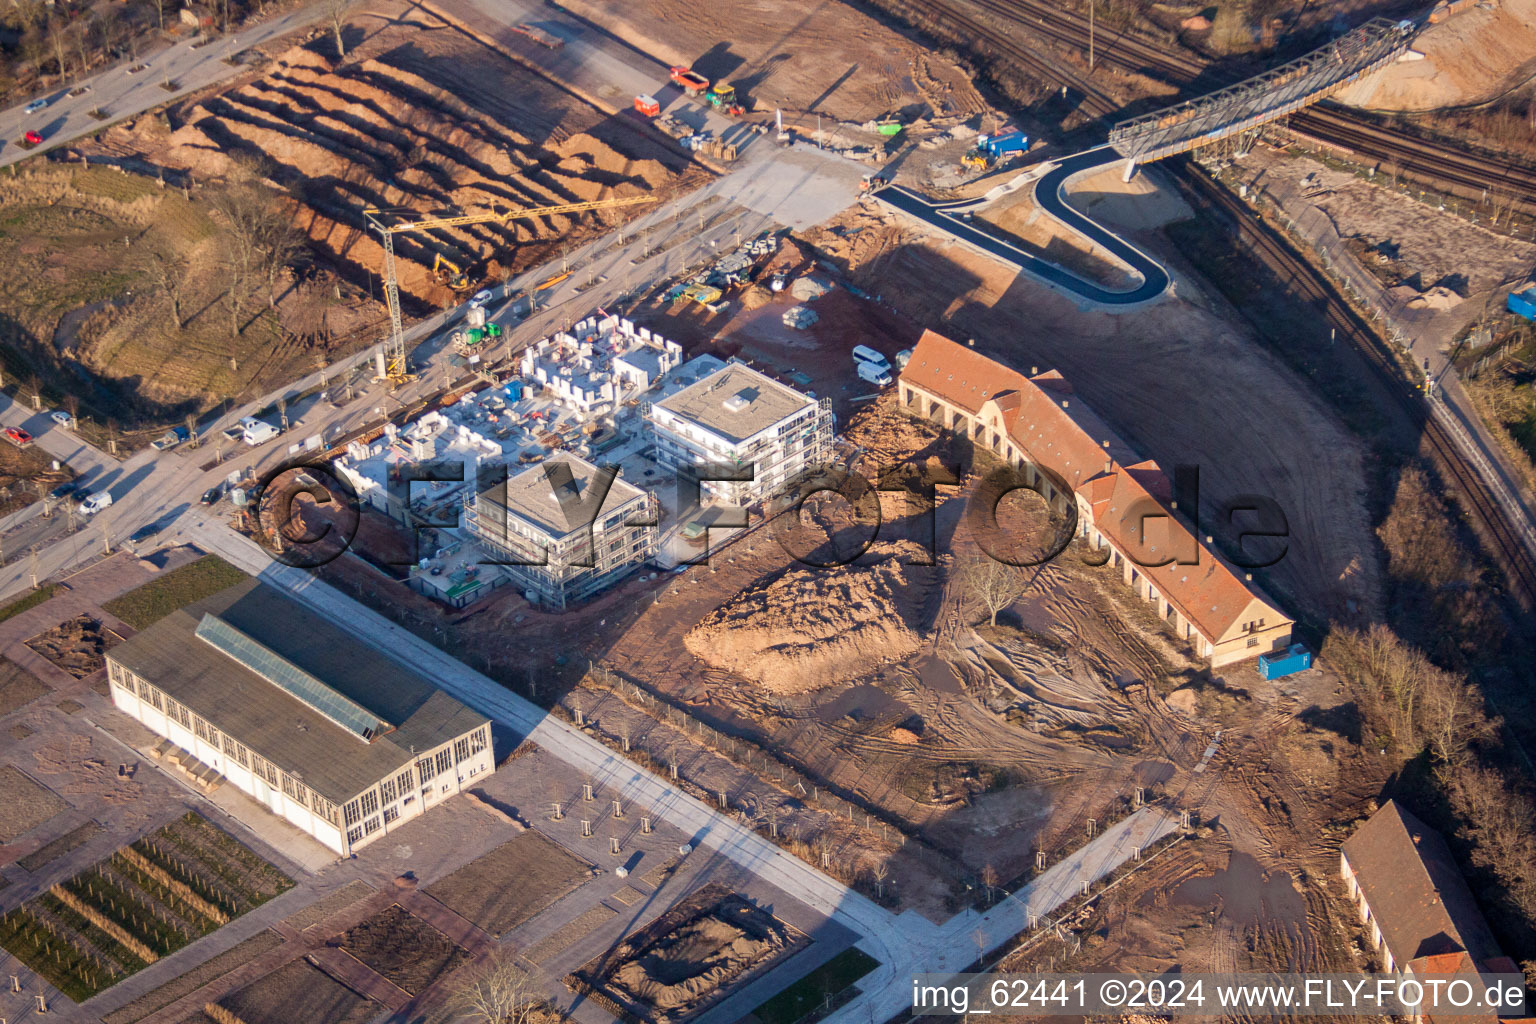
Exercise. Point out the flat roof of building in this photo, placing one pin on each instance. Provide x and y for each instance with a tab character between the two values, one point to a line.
736	402
300	691
553	495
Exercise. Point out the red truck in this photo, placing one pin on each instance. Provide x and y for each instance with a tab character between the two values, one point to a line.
692	82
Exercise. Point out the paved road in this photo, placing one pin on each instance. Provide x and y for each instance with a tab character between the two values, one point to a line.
121	95
1051	196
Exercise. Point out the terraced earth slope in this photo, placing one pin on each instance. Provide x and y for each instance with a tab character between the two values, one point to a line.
421	116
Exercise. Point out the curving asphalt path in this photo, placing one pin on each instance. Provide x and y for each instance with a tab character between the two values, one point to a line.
1050	194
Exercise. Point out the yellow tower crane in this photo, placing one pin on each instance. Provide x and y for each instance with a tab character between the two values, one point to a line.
393	358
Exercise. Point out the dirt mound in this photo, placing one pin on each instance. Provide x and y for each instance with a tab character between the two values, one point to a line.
809	627
412	121
1471	57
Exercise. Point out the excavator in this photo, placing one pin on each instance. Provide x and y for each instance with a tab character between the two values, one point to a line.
454	277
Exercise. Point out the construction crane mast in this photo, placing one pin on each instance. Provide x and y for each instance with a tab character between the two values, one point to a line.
393	366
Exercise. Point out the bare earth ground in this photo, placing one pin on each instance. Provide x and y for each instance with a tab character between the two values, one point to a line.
1181	383
299	991
1471	57
511	883
685	961
78	646
1419	244
827	59
27	804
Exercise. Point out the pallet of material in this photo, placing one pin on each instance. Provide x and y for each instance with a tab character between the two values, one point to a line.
539	36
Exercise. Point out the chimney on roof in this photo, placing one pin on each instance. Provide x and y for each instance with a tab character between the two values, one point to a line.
1034	371
1109	465
1209	538
1248	576
1416	838
1063	403
971	342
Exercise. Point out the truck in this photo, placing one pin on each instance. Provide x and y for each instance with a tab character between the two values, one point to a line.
989	149
691	81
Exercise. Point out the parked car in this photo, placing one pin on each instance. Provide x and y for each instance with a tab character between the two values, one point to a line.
95	503
18	437
34	106
33	138
481	298
63	419
64	489
143	533
234	433
212	495
170	439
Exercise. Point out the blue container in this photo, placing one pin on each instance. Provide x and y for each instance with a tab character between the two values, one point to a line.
513	390
1278	664
1523	303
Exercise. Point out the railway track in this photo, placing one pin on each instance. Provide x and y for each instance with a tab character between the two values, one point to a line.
1442	167
1314	289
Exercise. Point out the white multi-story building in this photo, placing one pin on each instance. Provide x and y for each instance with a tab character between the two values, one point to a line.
568	545
320	729
737	417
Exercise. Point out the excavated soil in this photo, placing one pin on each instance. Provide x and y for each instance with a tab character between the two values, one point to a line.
78	646
418	117
810	627
681	963
1472	57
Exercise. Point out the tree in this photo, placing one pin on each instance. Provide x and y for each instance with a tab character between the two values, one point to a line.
995	584
170	269
336	10
498	992
58	38
191	424
72	406
880	872
256	240
989	880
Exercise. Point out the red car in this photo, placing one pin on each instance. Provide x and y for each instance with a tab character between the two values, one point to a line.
18	437
32	138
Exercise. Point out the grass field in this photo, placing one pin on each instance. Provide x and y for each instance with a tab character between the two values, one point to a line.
28	601
511	884
178	588
819	988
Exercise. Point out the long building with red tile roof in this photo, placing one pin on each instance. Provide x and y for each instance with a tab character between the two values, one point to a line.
1065	450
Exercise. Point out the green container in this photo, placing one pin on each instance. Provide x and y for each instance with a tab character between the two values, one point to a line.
889	127
474	336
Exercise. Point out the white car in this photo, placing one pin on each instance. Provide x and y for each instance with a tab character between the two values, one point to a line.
481	298
34	106
95	503
62	418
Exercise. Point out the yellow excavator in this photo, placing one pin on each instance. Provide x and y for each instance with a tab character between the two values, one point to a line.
455	277
388	224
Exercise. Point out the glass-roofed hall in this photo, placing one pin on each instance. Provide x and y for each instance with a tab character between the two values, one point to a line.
321	729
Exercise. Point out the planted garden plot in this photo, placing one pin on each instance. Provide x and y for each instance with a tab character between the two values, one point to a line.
403	949
143	903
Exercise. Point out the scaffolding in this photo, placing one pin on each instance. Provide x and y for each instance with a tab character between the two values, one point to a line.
1249	104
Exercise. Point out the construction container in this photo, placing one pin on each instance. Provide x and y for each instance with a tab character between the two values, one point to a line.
648	106
475	317
1523	303
1278	664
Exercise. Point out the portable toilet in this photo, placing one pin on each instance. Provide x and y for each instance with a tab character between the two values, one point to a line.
1278	664
513	390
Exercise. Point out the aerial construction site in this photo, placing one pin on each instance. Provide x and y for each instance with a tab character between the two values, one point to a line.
516	512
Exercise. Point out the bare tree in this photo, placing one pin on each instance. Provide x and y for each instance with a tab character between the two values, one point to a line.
337	10
170	269
989	880
58	38
995	584
880	872
498	992
191	423
254	226
72	405
160	13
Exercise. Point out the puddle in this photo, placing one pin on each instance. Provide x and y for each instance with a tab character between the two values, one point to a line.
938	675
1245	895
863	703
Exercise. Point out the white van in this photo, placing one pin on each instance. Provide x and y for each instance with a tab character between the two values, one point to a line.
874	374
865	354
95	503
258	431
